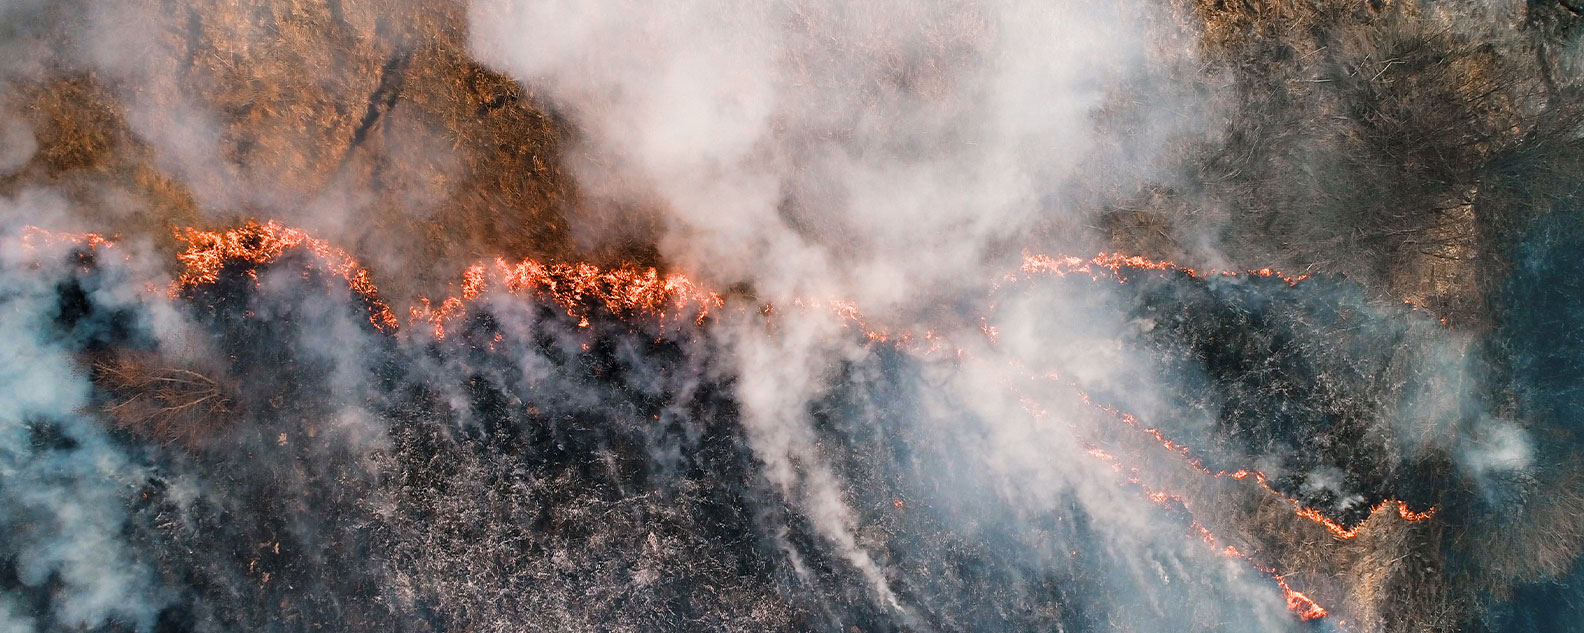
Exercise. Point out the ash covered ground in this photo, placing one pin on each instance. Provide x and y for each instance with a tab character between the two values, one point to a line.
536	469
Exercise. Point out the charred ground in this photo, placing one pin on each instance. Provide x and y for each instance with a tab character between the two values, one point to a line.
1395	152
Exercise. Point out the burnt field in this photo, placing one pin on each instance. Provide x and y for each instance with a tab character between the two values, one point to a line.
800	315
255	451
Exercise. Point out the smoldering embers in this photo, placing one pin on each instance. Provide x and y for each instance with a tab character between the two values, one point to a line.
526	471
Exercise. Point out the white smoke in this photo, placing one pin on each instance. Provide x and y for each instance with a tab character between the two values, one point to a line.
1499	446
62	508
782	370
870	150
17	143
11	618
894	154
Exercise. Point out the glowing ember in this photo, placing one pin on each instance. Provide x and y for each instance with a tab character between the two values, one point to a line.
1297	602
627	292
1112	264
32	237
209	251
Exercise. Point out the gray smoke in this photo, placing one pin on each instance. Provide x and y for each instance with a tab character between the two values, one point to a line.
64	486
861	150
894	155
897	156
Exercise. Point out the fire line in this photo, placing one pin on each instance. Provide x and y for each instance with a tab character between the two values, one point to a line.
627	291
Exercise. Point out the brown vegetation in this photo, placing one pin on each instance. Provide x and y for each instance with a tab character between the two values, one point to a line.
373	129
1377	140
163	403
1394	142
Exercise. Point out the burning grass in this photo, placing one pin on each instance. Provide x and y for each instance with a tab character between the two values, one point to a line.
172	404
438	158
1436	146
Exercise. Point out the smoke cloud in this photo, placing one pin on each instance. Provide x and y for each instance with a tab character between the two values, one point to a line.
65	482
893	155
898	415
819	147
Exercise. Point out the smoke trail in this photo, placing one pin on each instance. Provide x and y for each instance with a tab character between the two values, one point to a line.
876	148
887	154
886	416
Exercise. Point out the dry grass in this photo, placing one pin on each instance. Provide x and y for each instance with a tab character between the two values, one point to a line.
365	122
166	404
1370	142
1378	140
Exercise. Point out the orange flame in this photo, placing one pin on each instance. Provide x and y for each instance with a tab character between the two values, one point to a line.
623	291
631	291
209	251
1336	529
33	236
1299	603
1113	263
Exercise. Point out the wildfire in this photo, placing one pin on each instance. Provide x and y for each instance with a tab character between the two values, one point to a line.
1336	529
578	288
1113	264
1347	533
209	251
1299	603
33	236
622	291
574	287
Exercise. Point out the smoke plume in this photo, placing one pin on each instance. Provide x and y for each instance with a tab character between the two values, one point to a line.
961	315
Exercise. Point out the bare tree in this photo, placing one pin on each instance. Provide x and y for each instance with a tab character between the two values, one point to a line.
164	403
